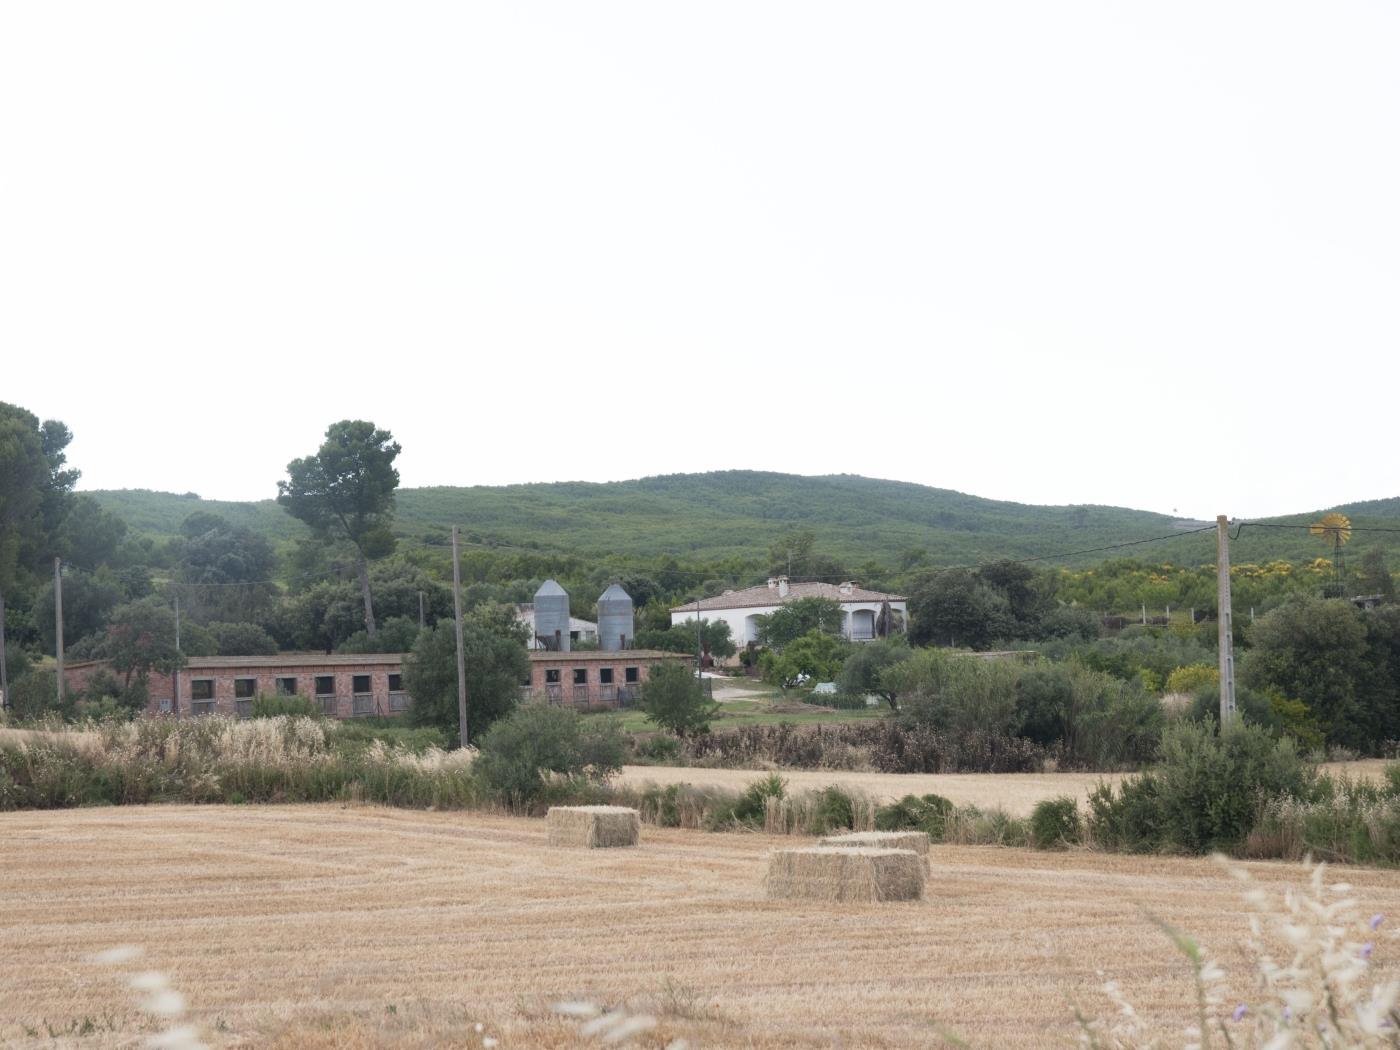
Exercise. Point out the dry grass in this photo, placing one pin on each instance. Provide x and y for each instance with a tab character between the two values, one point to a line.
1016	793
24	737
322	926
862	874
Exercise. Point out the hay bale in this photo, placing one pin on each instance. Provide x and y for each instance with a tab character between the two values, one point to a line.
910	840
858	873
593	827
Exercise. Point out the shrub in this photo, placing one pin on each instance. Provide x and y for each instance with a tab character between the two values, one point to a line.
673	699
1094	720
362	732
751	806
518	752
885	744
1205	795
1055	822
929	813
832	809
278	706
958	695
660	748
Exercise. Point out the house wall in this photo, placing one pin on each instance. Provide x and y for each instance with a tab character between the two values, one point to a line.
741	623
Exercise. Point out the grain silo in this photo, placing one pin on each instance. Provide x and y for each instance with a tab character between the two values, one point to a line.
552	616
615	624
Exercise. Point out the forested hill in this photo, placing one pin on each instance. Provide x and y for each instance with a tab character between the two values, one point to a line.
743	513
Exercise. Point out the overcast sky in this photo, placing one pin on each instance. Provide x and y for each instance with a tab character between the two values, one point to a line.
1126	253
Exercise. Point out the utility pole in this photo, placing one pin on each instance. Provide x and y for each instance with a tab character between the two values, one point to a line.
4	670
175	674
699	647
461	658
58	622
1224	625
422	620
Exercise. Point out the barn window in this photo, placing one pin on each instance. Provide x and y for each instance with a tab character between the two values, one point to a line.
580	676
325	685
202	689
244	688
605	675
633	674
551	676
360	683
286	687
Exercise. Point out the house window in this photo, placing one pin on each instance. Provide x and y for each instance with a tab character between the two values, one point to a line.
580	676
633	674
165	706
286	687
605	675
325	685
202	689
360	684
551	676
244	688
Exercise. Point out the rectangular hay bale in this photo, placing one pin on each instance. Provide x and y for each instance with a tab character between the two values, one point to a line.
593	827
914	840
857	873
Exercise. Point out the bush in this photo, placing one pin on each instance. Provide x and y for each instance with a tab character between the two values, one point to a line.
1095	721
673	699
660	748
1055	823
277	706
520	750
832	810
1207	793
34	695
912	813
750	808
363	732
884	744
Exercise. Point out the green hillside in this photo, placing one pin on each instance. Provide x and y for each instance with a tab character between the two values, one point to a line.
742	513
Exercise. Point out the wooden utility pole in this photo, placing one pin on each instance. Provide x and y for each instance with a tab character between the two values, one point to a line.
1224	625
457	623
58	622
422	618
175	674
4	670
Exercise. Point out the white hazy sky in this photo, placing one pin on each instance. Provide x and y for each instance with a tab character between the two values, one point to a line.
1129	253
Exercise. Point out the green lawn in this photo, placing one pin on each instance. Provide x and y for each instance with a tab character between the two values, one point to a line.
755	713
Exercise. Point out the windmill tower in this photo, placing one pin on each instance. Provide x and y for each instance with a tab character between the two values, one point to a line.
1336	529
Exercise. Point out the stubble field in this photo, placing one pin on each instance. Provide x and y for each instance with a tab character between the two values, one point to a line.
321	926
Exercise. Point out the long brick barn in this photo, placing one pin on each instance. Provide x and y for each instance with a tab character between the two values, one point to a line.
351	685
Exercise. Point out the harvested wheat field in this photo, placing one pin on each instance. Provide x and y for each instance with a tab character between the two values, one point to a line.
1016	793
329	926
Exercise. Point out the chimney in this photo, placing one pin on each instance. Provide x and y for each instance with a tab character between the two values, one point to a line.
846	588
782	586
772	583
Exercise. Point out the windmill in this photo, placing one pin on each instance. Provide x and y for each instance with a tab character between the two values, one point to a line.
1336	528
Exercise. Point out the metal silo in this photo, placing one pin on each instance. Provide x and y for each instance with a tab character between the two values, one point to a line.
615	626
552	616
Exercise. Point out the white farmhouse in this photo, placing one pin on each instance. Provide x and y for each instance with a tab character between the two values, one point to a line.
741	609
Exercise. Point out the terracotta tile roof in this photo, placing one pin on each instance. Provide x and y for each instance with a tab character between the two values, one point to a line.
750	597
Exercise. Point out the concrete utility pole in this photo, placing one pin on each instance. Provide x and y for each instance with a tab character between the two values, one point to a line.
422	618
699	646
1224	621
4	670
58	622
457	623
